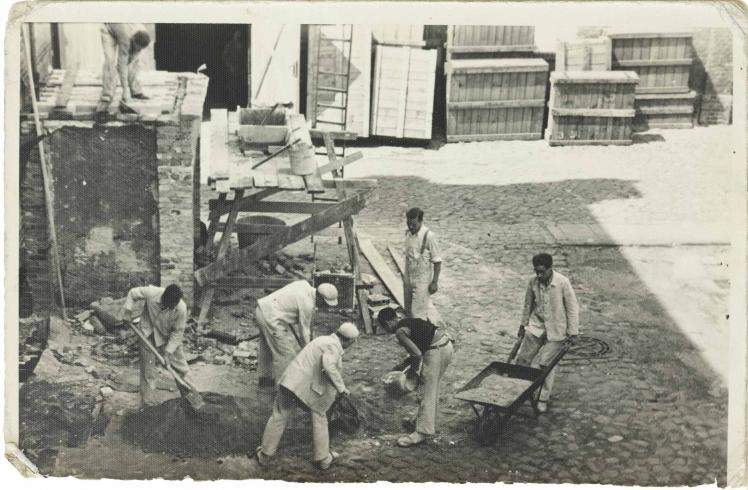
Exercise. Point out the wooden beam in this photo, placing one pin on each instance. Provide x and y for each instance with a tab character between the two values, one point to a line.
338	164
390	281
219	136
336	135
351	240
256	229
249	282
314	184
253	205
221	207
433	313
329	215
350	184
222	249
63	96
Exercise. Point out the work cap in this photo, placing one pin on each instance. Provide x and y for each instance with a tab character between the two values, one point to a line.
348	330
329	293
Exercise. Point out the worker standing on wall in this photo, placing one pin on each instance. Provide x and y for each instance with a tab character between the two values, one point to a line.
284	319
421	252
122	43
163	322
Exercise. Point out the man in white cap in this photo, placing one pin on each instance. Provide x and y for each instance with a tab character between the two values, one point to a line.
311	382
284	319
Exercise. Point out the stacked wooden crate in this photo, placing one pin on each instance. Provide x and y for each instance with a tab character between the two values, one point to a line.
663	62
403	84
466	41
495	99
584	55
592	107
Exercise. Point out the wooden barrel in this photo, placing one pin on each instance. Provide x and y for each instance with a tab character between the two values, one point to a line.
494	99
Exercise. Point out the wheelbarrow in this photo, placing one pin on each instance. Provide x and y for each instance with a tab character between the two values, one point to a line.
499	390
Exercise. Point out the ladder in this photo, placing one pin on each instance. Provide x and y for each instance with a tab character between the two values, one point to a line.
336	81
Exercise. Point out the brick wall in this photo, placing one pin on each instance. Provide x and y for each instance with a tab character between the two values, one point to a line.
34	253
712	74
178	187
124	198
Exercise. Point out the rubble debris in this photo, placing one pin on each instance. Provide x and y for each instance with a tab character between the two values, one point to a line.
98	327
106	391
88	328
83	316
174	428
33	333
52	416
109	311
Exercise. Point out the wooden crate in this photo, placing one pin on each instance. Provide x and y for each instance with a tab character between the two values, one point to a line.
333	59
489	39
493	99
662	61
398	34
665	111
403	92
584	55
591	108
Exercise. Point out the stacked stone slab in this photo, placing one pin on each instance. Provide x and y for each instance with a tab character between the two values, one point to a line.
125	193
663	62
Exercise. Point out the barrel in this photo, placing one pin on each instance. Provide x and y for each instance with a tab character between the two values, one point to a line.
247	238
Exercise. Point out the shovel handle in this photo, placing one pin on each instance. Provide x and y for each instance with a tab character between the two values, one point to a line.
160	357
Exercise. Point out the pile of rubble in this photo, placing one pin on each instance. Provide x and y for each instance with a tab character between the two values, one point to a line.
33	333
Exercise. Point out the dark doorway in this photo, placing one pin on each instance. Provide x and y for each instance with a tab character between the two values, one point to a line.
223	48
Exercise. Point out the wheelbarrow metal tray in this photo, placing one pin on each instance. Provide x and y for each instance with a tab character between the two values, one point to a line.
510	386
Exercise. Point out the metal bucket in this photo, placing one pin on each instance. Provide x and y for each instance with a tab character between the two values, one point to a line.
303	160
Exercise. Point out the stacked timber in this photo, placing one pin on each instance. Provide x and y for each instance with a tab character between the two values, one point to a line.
465	41
592	108
403	91
495	99
663	62
593	54
399	34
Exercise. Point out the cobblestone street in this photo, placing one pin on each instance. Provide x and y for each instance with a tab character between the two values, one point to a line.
639	403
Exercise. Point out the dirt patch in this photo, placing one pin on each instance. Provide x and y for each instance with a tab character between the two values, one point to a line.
53	416
173	427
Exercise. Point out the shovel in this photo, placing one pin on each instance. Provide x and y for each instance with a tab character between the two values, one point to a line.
517	344
188	391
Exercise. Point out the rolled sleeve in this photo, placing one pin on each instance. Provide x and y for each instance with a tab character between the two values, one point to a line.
177	334
433	247
529	300
135	294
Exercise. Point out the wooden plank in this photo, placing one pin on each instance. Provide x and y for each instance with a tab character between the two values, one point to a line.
255	229
623	142
267	245
336	135
314	184
220	254
263	135
265	179
340	163
433	313
219	151
390	281
491	49
288	181
351	239
493	137
593	112
249	282
497	103
655	63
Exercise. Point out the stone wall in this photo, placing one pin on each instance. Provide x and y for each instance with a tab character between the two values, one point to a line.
712	74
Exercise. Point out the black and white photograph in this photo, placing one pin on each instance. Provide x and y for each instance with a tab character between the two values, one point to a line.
376	242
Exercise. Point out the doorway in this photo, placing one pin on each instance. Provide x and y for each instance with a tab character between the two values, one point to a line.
223	48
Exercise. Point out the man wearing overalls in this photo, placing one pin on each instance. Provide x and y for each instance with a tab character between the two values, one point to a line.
421	251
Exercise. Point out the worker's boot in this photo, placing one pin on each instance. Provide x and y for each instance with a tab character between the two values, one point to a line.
140	96
102	111
262	458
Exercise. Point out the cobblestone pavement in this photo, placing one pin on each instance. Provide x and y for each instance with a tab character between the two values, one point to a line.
636	409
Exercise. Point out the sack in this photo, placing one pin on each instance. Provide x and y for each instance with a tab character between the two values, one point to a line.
343	415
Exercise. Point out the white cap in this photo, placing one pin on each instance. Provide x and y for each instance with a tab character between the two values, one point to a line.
329	293
348	330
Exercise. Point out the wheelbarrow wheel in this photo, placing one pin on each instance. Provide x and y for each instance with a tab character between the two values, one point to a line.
488	428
